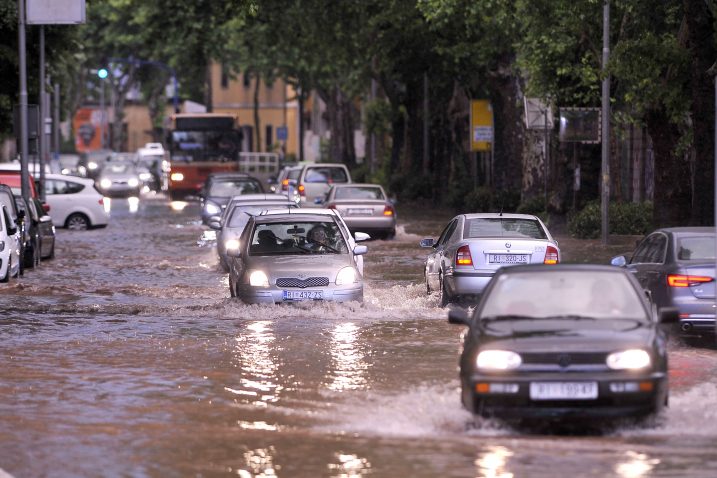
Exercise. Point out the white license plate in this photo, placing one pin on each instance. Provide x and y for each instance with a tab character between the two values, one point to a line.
563	390
508	258
303	294
360	212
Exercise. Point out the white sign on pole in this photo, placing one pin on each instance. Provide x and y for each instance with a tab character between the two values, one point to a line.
55	12
538	114
483	133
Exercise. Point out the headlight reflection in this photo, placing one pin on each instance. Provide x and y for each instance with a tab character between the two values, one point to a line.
348	364
492	463
253	352
349	465
636	465
259	463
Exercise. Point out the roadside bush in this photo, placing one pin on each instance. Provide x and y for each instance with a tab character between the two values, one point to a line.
534	205
410	187
479	200
624	218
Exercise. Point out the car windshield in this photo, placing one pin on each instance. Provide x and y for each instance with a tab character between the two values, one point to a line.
240	214
297	238
696	248
594	294
359	192
119	168
234	187
503	227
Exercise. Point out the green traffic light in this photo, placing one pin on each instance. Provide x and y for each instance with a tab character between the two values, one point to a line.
102	73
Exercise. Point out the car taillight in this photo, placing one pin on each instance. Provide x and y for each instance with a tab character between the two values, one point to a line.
681	280
551	255
463	256
331	206
101	202
302	190
285	185
388	211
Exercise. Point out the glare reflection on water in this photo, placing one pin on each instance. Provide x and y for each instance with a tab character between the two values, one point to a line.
493	463
253	352
636	465
349	465
349	367
260	463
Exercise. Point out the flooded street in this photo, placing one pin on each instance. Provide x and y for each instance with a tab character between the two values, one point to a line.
125	356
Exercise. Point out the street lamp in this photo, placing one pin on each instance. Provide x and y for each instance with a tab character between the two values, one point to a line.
102	74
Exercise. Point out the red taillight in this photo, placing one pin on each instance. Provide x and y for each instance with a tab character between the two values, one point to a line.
101	202
331	206
388	211
680	280
45	207
302	190
285	185
463	256
551	255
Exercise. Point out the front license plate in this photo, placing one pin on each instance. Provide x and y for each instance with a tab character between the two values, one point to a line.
508	258
563	390
303	294
360	212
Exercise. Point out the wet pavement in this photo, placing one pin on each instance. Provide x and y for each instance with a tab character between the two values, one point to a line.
125	356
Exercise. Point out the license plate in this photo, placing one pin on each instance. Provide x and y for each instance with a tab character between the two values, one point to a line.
303	294
563	390
360	212
508	258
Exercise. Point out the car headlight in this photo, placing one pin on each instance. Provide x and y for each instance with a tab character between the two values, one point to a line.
498	360
133	182
145	176
212	209
632	359
177	177
258	279
105	183
92	165
231	244
347	275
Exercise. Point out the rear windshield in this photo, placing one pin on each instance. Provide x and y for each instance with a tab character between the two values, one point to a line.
504	227
326	175
293	174
359	193
696	248
234	187
240	214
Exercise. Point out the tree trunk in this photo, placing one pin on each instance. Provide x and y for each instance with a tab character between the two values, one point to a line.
208	88
257	124
700	23
341	145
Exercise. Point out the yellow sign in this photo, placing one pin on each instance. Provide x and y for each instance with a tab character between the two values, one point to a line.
481	125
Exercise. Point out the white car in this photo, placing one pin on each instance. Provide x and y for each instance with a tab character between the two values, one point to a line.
9	239
74	202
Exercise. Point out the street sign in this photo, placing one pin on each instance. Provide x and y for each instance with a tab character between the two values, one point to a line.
282	133
538	114
55	12
481	125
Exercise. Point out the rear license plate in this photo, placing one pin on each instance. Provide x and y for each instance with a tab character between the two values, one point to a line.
303	295
563	390
507	258
360	212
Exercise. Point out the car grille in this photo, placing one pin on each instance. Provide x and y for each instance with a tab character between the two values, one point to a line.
302	283
564	361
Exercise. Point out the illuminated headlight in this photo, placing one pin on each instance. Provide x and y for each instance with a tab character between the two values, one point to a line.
92	165
498	360
632	359
258	279
177	177
105	183
212	209
347	275
133	182
145	176
231	244
65	171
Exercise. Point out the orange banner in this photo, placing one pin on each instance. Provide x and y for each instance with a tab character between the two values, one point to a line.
87	126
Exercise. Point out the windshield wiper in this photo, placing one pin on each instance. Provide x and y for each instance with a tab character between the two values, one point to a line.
571	317
510	317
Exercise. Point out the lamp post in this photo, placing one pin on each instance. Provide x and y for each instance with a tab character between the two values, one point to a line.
102	74
605	193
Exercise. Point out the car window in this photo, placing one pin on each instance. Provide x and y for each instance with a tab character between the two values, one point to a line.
293	174
297	238
640	254
696	248
657	249
326	175
359	192
234	187
503	227
447	232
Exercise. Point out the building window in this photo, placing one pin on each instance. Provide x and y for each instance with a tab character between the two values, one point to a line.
225	77
269	137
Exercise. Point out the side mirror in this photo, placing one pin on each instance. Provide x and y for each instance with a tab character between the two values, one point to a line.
214	224
458	316
668	315
361	236
360	250
619	261
429	242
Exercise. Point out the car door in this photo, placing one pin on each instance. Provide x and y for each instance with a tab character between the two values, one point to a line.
435	259
648	262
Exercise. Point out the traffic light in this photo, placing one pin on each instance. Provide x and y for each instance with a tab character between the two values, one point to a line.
102	73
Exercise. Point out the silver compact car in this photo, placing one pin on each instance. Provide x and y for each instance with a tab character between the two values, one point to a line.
472	247
119	179
677	266
290	255
364	207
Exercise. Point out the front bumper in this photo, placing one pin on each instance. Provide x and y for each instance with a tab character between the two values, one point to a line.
120	192
272	295
608	404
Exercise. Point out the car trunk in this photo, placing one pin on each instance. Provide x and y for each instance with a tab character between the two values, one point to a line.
491	254
362	207
701	290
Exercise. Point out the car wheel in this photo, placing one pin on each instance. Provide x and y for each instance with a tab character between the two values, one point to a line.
223	264
32	257
232	289
77	222
6	279
443	298
428	287
391	234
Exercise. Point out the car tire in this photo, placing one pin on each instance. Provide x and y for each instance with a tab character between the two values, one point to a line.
232	289
390	234
77	222
428	287
31	260
223	264
443	298
6	279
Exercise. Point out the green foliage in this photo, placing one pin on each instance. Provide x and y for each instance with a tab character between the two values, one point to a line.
409	187
533	205
624	218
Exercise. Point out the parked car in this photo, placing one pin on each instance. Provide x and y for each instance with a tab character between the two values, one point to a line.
573	341
677	266
119	179
281	259
10	236
30	233
13	179
46	229
235	217
364	207
75	203
70	165
316	179
472	247
219	188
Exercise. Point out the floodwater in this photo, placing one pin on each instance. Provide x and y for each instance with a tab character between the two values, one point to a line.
125	356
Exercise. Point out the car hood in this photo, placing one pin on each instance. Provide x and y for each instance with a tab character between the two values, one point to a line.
308	265
566	334
118	176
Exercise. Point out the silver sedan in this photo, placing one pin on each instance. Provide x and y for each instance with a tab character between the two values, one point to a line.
472	247
364	207
291	256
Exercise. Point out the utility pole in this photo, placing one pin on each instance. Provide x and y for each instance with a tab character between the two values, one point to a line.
41	143
24	176
605	190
